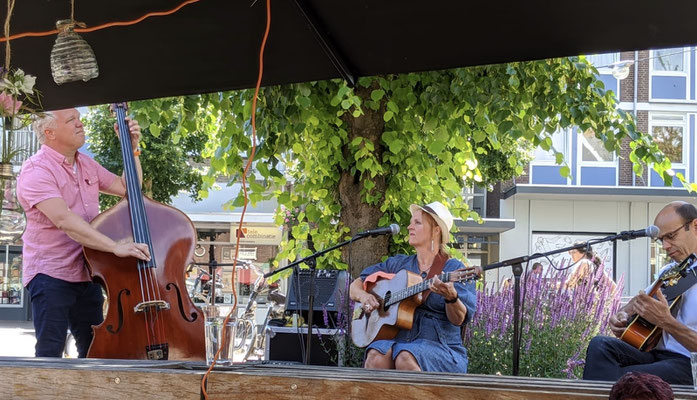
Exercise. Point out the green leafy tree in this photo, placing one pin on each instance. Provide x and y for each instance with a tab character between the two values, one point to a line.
355	158
166	157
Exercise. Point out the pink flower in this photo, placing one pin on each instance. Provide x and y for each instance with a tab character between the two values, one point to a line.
7	103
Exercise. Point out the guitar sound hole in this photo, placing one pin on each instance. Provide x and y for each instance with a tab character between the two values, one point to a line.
386	300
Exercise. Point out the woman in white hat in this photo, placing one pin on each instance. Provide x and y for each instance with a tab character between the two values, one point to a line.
434	342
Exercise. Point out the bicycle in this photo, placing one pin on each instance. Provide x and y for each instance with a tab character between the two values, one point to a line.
250	338
200	290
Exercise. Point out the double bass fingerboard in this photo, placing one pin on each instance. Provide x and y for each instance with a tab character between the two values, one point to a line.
136	206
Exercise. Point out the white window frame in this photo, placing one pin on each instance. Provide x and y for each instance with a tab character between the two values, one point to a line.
579	155
607	69
469	193
655	119
593	164
684	73
566	151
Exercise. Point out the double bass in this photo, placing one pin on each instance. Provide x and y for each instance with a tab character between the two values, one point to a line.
150	314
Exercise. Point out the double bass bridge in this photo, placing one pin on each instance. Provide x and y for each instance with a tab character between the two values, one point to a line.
155	305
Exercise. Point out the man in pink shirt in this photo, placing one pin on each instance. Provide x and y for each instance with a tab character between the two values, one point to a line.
59	191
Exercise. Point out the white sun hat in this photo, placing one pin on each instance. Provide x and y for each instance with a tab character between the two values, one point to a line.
440	214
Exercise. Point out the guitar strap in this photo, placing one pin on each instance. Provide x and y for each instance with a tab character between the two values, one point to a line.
436	269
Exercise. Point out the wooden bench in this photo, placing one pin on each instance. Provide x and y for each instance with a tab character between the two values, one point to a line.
37	378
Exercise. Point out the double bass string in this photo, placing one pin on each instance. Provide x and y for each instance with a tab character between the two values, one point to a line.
146	274
130	185
142	230
141	235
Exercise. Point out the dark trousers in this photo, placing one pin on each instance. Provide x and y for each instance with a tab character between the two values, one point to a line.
59	305
607	359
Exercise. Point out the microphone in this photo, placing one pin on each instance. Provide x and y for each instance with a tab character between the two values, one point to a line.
389	230
651	231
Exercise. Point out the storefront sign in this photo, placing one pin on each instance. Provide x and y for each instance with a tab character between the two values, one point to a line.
248	253
245	253
258	235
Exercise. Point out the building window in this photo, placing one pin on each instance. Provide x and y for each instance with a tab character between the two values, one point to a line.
669	140
560	140
11	288
603	60
668	133
475	197
593	150
669	80
672	60
659	259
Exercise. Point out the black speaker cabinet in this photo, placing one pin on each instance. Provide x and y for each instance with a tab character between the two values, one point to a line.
329	289
288	343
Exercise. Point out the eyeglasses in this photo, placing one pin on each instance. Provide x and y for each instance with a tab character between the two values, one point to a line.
670	236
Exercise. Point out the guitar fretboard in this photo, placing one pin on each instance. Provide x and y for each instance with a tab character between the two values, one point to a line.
415	289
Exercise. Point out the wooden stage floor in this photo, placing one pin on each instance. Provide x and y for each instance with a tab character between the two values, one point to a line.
43	378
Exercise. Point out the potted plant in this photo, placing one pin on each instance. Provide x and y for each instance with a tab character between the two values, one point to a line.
18	104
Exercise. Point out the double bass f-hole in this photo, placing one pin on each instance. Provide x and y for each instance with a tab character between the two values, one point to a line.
181	304
110	328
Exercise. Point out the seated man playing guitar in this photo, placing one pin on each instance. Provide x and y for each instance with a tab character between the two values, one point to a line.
433	343
609	358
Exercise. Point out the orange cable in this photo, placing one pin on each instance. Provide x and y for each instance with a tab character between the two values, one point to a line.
250	159
103	26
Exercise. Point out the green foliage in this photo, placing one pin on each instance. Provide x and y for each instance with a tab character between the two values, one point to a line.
167	168
437	132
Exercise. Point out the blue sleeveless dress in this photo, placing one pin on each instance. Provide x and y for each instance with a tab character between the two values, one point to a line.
433	340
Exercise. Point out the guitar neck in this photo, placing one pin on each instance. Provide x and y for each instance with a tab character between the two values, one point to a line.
416	289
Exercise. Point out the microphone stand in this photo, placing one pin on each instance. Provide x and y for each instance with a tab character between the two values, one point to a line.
517	267
311	261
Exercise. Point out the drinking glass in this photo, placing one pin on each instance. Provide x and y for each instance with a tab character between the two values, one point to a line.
217	334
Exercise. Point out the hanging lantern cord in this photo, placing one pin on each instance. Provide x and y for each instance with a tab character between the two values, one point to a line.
10	8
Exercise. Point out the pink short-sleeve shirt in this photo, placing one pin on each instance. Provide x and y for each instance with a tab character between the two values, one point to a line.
47	174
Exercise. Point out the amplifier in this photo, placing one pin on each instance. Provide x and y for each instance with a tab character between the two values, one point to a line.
330	288
288	343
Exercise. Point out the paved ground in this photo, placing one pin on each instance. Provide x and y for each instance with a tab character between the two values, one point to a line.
17	339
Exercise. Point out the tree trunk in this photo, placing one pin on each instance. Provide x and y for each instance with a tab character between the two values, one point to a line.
355	213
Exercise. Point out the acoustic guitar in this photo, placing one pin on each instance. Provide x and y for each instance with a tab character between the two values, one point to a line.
673	282
398	297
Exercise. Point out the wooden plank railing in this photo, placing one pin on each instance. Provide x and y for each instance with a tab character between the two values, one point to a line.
40	378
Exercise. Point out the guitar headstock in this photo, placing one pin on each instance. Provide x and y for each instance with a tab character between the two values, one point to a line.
465	274
671	275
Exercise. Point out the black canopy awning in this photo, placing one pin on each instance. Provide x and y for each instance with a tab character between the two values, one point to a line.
213	45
